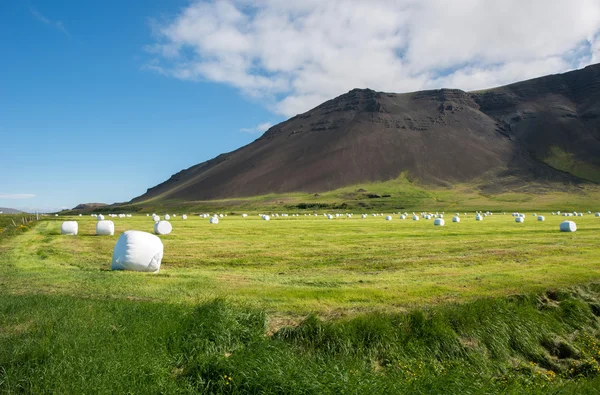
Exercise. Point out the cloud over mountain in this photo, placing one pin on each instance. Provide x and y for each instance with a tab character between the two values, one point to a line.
294	55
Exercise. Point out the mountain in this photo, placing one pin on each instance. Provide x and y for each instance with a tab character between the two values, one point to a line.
88	206
544	129
4	210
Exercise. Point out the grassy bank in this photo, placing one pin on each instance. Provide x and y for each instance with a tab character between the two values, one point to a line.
530	344
400	194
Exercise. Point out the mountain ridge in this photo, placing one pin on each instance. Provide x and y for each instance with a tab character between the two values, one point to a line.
547	128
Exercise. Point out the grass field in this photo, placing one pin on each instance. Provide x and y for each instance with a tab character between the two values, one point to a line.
350	305
398	194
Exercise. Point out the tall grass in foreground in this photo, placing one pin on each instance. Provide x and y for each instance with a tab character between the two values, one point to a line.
528	344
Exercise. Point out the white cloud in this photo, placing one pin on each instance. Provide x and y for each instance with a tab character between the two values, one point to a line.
294	55
47	21
16	195
260	128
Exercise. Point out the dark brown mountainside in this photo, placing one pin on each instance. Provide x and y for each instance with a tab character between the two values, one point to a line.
542	129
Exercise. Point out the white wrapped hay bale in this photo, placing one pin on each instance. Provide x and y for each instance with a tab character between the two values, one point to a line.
105	228
388	218
456	219
80	215
163	228
415	217
439	222
568	226
167	217
266	218
137	251
184	216
520	220
245	215
69	228
329	216
100	217
541	218
597	214
403	216
364	216
478	218
214	220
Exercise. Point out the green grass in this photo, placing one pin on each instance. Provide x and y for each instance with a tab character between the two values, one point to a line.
564	161
350	305
296	265
398	194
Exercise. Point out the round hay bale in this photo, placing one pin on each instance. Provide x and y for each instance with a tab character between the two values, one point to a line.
541	218
105	228
364	216
245	215
520	220
456	219
439	222
403	216
597	214
329	216
478	218
388	218
214	220
100	217
167	217
568	226
415	217
163	228
184	216
69	228
266	218
137	251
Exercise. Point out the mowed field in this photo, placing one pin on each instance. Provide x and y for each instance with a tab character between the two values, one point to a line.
305	305
291	266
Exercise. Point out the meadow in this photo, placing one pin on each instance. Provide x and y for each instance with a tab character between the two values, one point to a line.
305	305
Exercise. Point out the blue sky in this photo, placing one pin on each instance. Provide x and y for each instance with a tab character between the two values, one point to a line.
82	120
100	100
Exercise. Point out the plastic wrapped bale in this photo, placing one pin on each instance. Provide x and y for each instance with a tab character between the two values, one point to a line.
214	220
220	215
137	251
80	215
167	217
100	217
329	216
597	214
388	218
69	228
403	216
456	219
364	216
478	218
541	218
520	220
163	228
245	215
439	222
184	216
105	228
266	218
415	218
568	226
